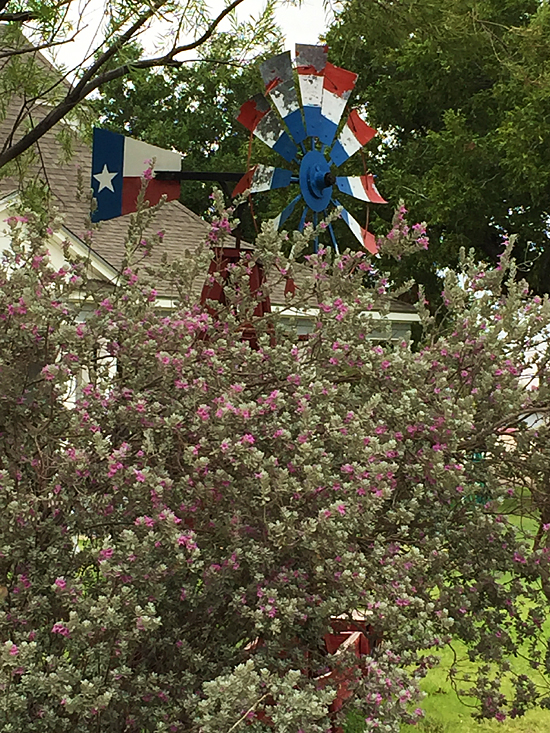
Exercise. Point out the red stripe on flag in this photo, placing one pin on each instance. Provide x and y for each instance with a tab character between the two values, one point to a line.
359	127
250	115
338	81
131	186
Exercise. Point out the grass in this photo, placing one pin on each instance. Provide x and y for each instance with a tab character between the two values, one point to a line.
445	712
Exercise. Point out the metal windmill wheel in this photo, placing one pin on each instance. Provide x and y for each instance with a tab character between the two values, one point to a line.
302	129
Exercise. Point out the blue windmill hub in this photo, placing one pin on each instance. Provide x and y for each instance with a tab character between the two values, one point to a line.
298	126
316	180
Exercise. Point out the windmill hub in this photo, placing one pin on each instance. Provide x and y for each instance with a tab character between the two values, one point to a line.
316	180
291	124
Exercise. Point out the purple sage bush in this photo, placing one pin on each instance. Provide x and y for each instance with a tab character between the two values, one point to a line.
181	515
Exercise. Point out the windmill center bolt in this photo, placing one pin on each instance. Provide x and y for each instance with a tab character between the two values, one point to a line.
316	180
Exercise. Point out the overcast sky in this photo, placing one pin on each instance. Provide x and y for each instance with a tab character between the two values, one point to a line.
299	24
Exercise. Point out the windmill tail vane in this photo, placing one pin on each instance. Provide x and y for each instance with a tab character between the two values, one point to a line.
118	166
302	130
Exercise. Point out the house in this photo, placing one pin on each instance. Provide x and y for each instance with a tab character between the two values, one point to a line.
183	229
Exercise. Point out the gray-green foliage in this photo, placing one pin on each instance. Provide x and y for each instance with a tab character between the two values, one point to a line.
181	515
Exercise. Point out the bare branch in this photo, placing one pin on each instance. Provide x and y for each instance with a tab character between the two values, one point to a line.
88	83
20	17
34	49
23	16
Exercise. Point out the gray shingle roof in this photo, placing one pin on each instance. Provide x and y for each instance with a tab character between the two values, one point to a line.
184	230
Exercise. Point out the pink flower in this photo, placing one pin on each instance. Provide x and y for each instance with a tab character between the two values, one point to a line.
341	509
186	540
14	651
60	628
60	582
48	372
105	554
203	412
247	438
140	476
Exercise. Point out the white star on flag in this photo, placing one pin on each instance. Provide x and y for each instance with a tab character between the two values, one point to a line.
105	179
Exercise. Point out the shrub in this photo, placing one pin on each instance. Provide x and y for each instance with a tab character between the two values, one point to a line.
170	495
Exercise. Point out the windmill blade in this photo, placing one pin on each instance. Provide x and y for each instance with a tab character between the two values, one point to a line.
338	85
279	85
333	238
286	212
355	134
263	178
360	187
258	117
302	224
362	235
311	62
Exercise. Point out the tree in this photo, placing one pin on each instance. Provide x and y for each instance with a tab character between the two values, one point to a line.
182	515
461	90
113	56
193	109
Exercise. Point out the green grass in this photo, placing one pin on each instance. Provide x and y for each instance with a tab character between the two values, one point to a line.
446	713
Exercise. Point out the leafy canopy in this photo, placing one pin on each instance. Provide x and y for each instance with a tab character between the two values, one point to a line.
461	92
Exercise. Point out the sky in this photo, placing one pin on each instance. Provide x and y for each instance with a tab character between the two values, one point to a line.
299	25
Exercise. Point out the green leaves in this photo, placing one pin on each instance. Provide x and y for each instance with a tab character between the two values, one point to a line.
461	89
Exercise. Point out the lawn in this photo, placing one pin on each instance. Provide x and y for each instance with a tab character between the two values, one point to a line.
446	713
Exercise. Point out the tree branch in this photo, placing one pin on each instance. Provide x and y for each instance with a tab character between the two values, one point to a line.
20	17
33	49
88	83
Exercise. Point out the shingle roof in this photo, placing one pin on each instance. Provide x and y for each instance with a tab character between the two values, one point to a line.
184	230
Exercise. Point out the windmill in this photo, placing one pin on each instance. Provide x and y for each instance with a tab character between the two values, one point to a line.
303	132
304	129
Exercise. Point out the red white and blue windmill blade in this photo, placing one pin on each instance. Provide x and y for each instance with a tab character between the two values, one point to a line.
303	132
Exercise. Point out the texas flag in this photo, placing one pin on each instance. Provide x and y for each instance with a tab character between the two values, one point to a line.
118	165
